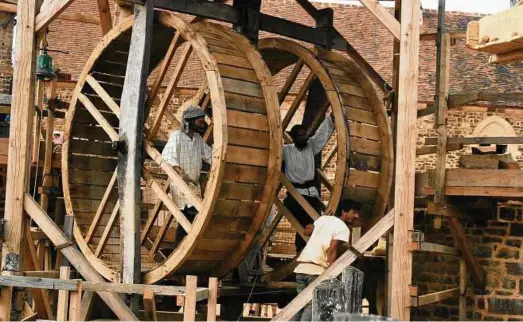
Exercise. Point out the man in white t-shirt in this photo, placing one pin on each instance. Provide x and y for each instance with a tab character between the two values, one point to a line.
329	238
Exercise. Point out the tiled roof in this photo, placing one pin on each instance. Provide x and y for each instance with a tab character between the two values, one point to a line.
470	71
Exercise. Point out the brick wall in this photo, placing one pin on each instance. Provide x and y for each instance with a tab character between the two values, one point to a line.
495	235
6	36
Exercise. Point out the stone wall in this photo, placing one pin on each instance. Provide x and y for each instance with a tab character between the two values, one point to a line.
495	235
462	122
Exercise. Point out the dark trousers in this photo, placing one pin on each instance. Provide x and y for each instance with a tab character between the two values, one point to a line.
301	215
302	281
190	213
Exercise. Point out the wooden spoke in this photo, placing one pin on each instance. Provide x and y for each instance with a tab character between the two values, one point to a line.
107	230
164	67
297	100
169	203
318	118
98	117
160	236
290	217
267	232
208	137
324	179
173	175
158	256
153	214
108	100
101	208
169	91
290	80
329	157
299	198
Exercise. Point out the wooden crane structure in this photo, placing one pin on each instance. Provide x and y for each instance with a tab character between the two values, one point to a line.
112	118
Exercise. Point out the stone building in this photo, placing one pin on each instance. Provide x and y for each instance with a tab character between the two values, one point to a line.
495	233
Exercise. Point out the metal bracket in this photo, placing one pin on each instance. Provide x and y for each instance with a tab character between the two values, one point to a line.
119	146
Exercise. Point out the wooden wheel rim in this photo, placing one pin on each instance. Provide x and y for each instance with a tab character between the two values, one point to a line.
320	62
212	70
323	63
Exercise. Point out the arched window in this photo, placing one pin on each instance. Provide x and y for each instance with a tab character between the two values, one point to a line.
495	126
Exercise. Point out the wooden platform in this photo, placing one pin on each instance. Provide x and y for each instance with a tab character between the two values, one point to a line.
474	182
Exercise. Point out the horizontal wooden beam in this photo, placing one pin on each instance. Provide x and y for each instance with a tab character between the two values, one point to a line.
78	17
476	182
433	297
515	55
498	192
433	248
429	110
434	35
71	285
279	26
478	140
460	99
226	13
433	149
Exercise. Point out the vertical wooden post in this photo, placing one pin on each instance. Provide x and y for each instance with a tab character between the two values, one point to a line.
405	159
131	130
19	146
394	127
249	18
462	290
75	304
149	305
213	299
40	88
63	296
46	180
442	91
189	307
65	273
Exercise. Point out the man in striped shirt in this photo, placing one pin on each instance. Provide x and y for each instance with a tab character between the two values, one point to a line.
185	151
299	168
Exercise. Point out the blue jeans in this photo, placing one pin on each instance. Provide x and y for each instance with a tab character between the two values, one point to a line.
302	281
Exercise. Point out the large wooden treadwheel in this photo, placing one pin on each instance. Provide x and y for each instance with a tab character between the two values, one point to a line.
362	149
246	143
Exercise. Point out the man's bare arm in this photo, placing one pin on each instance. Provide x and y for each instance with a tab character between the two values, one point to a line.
309	229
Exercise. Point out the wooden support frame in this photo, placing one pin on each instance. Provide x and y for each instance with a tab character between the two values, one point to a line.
18	162
213	299
74	256
462	244
189	307
105	16
442	91
149	305
433	248
131	128
427	299
479	140
78	17
50	11
46	180
383	225
405	159
383	16
462	290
